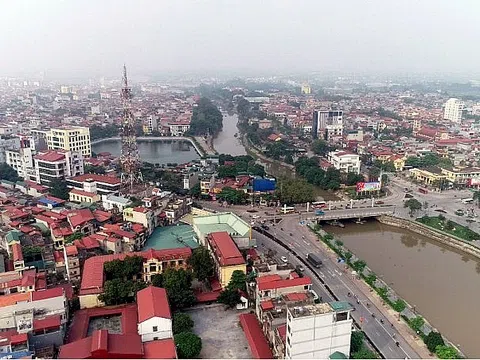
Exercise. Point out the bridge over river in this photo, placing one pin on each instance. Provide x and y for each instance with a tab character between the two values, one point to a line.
356	213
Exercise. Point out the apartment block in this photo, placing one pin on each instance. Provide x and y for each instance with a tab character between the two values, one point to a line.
454	110
57	165
73	138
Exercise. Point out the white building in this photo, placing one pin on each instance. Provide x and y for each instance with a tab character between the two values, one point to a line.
454	110
327	123
317	331
179	128
154	317
21	159
150	124
345	161
8	143
110	202
69	138
57	165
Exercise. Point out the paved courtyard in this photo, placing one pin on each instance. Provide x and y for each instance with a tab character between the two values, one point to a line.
221	333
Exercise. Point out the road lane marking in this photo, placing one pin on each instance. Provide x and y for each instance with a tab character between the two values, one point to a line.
390	348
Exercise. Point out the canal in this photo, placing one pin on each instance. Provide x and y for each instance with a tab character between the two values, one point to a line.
226	142
442	283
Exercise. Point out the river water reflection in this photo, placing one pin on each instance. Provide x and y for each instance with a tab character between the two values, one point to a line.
442	283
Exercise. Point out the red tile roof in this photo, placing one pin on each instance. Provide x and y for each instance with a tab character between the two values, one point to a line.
79	217
225	249
282	331
51	322
267	305
17	252
18	338
51	156
47	294
128	317
255	337
284	283
89	242
104	345
210	296
160	349
101	216
152	302
97	178
296	296
71	250
268	278
92	277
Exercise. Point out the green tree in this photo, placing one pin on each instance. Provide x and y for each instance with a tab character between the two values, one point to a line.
103	132
374	173
476	196
238	281
413	204
417	323
447	352
59	189
195	191
227	171
93	169
75	236
356	342
364	353
206	119
294	191
129	268
289	159
182	323
232	196
178	284
353	178
188	345
201	263
157	280
116	292
434	339
229	297
449	225
320	147
8	173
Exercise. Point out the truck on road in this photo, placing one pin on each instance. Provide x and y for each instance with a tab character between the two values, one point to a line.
314	260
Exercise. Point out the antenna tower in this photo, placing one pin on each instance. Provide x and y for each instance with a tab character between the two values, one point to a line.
129	160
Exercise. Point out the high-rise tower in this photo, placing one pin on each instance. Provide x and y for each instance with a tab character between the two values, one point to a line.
129	160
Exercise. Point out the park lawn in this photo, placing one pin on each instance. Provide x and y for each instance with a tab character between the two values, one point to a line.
458	230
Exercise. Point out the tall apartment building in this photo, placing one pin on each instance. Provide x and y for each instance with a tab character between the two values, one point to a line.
327	124
72	138
454	110
317	331
345	161
150	124
7	143
57	165
21	159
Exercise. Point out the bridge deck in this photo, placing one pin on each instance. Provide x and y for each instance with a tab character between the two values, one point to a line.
355	213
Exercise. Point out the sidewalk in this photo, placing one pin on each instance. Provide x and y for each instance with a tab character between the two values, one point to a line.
400	326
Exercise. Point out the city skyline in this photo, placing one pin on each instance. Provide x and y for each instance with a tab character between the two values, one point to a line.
82	39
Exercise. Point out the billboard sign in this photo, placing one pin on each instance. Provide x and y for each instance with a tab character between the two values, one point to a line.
473	182
368	186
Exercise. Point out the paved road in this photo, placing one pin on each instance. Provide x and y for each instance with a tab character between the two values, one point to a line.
341	283
303	241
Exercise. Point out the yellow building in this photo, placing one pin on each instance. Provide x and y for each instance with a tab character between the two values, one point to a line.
432	176
73	138
306	89
398	162
226	256
461	176
81	196
140	215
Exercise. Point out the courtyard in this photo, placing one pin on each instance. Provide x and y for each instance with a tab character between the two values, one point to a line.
221	333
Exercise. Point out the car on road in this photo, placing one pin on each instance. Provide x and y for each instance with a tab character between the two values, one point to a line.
255	216
284	259
459	212
265	227
299	268
441	211
379	202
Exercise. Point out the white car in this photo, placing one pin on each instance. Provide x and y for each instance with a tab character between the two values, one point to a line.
284	259
255	216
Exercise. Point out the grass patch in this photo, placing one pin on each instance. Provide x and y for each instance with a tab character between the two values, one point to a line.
449	227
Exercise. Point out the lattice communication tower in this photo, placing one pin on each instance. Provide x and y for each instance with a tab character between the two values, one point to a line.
129	160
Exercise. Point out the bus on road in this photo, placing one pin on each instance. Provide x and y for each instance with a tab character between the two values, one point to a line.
467	200
319	204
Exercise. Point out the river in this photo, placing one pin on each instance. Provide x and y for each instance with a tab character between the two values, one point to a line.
226	142
442	283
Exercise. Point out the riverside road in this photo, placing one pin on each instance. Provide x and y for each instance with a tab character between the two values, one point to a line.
295	235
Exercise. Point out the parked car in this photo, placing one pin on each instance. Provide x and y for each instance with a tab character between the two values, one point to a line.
284	259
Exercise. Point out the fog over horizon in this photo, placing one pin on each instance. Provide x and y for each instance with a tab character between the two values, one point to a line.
94	38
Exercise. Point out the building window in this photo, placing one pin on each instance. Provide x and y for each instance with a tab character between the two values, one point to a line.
155	328
180	262
155	338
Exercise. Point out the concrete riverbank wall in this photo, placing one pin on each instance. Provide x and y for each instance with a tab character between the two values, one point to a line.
433	234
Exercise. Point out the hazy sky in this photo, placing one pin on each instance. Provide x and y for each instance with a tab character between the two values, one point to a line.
95	37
